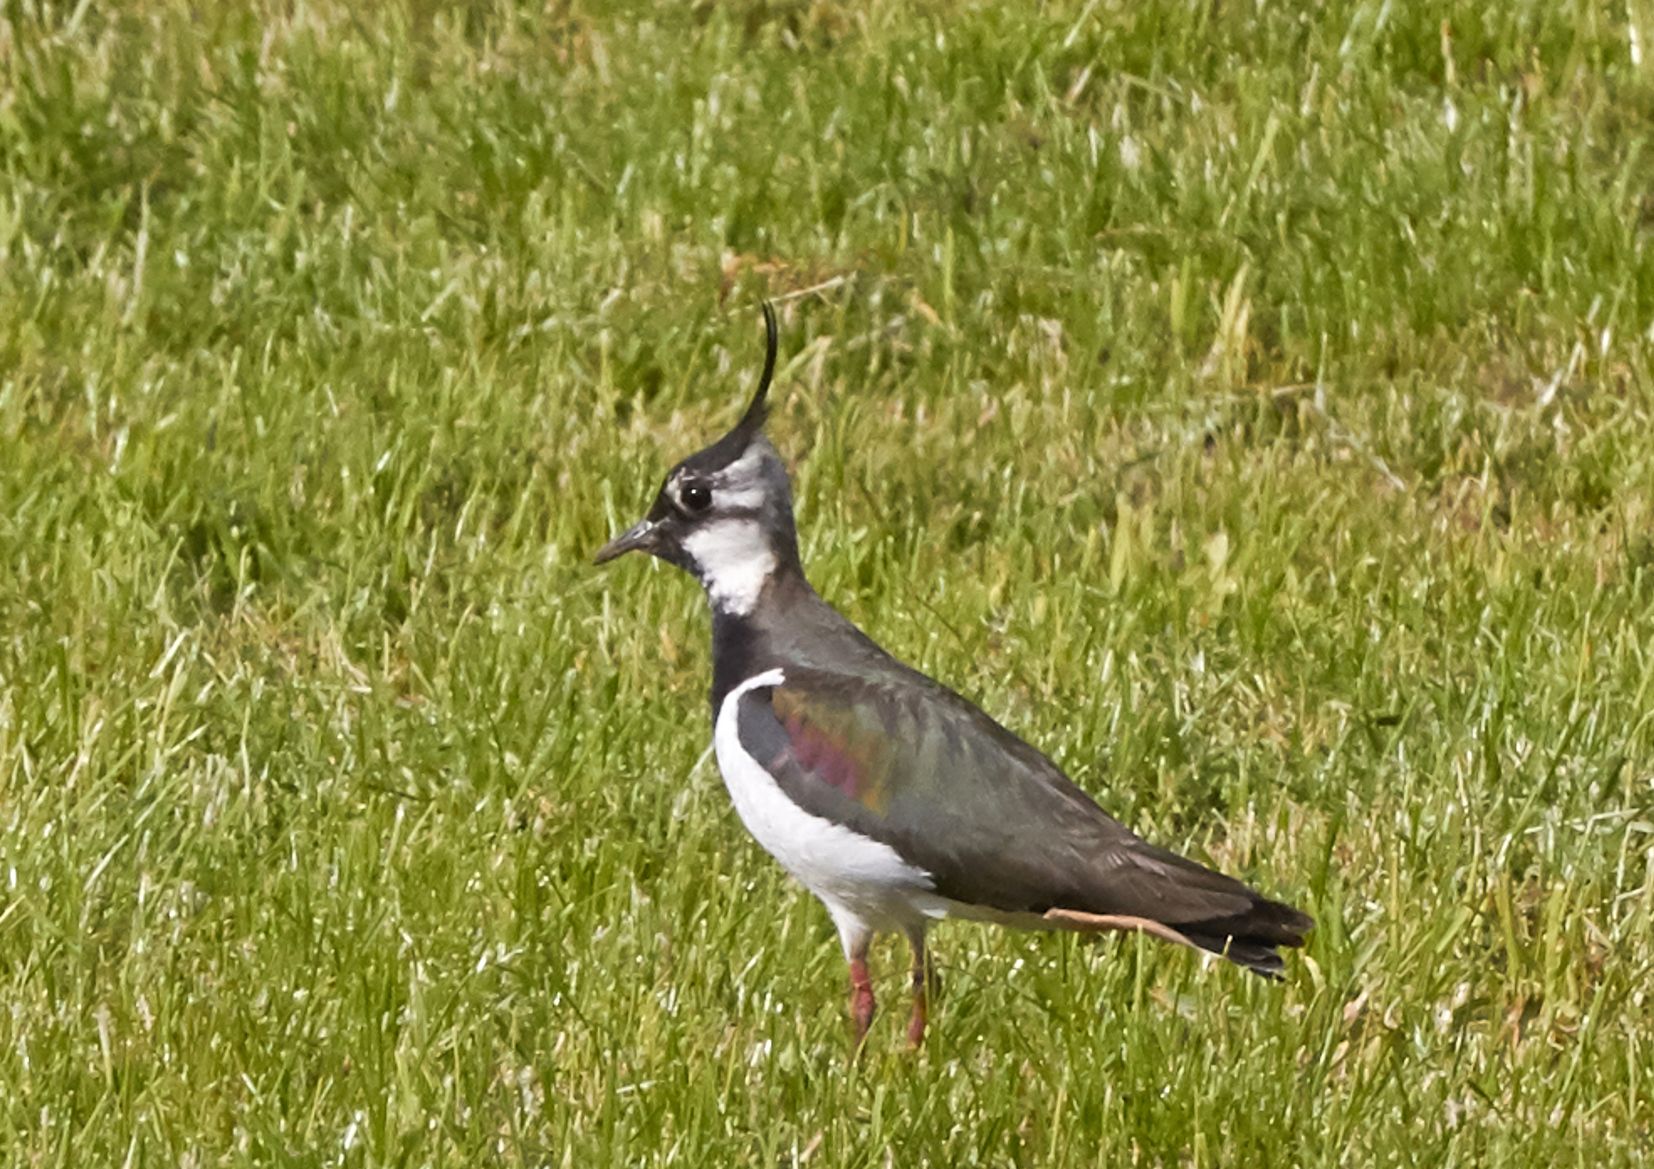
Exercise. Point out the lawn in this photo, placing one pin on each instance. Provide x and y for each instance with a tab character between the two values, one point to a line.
1249	403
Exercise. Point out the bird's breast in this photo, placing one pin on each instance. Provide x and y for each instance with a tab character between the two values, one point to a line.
830	859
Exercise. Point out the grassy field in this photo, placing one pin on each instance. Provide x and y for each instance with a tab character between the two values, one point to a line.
1249	403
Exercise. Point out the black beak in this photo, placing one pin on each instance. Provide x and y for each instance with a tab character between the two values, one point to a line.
640	537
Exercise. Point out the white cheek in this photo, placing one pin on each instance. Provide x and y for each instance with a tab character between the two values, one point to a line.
733	561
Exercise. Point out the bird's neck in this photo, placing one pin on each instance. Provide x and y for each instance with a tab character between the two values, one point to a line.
790	627
749	640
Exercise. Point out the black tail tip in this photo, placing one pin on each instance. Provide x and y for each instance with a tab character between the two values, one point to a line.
1256	940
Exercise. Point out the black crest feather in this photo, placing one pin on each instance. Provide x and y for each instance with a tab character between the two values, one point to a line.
728	448
753	420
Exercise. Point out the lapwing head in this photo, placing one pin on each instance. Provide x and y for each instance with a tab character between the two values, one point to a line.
725	513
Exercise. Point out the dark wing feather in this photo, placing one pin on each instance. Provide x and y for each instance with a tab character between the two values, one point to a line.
992	820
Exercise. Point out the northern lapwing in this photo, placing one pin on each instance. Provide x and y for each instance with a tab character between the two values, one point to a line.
891	798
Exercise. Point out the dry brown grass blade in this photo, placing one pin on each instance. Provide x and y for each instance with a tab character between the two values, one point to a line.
1073	919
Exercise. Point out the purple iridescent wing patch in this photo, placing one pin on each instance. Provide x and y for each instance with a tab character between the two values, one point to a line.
837	745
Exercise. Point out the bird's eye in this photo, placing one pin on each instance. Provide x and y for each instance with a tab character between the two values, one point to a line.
697	497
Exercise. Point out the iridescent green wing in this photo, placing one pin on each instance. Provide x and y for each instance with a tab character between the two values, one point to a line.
992	821
913	765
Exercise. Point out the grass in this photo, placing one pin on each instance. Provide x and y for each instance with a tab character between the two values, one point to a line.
1249	403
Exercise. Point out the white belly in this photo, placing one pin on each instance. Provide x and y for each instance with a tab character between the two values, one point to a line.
863	882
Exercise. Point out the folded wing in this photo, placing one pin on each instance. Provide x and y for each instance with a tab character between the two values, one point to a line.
991	819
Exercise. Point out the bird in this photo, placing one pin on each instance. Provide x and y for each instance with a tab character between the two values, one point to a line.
893	799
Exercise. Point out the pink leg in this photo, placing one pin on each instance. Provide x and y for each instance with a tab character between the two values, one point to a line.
924	981
861	997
